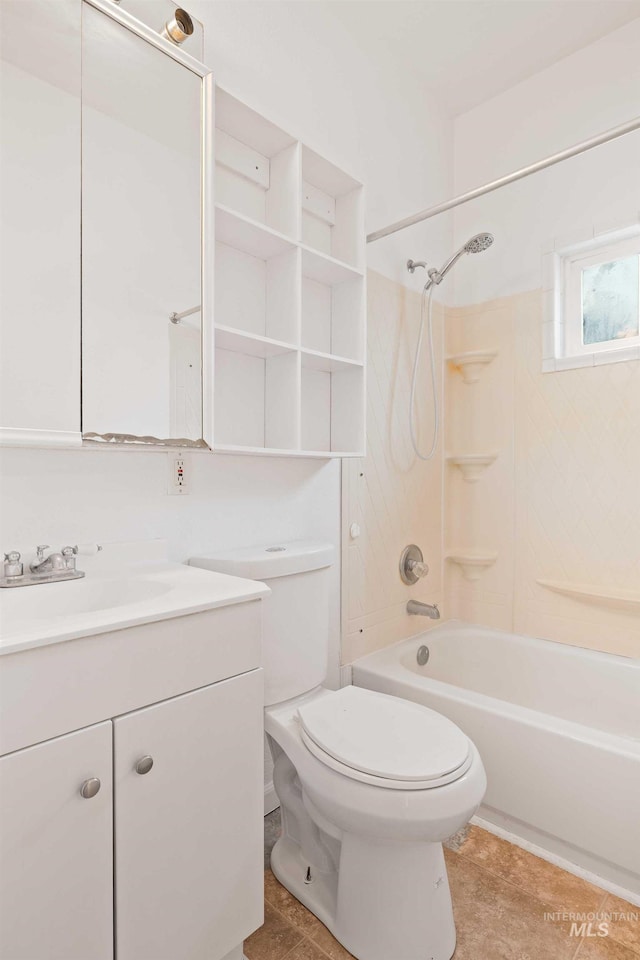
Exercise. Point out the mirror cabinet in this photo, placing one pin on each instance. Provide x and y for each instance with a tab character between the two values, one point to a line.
177	270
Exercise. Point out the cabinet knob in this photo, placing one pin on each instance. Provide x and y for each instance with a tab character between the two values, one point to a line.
143	765
89	788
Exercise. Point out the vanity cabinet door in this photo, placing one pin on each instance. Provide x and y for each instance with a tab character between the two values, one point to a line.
56	846
188	823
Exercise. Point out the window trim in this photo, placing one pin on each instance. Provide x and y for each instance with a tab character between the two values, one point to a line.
573	261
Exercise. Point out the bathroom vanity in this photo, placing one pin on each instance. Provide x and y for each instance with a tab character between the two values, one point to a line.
131	763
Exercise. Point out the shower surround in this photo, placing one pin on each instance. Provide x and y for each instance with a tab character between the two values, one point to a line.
560	503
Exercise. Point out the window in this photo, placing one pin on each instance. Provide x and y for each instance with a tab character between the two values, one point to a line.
598	310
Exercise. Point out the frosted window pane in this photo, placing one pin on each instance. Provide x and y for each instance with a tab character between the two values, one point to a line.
610	301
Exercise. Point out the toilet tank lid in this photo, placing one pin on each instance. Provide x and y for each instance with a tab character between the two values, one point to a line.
278	559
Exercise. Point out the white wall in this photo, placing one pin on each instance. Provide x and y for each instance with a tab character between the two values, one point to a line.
583	95
290	61
294	62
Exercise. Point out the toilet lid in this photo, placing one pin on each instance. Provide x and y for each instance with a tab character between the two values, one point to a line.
384	736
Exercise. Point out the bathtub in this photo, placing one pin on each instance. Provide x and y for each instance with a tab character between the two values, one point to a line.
558	729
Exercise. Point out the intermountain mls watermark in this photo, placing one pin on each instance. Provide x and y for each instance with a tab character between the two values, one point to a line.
593	924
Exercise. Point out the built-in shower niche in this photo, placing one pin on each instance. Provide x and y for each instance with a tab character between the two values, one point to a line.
332	210
257	166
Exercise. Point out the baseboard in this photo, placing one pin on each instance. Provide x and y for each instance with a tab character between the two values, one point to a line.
270	798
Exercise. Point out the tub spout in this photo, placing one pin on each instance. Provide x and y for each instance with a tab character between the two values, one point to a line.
423	609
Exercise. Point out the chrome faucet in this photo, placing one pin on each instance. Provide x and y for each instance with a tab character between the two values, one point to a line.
65	561
51	569
43	564
423	609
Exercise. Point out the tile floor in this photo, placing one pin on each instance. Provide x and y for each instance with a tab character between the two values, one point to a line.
500	895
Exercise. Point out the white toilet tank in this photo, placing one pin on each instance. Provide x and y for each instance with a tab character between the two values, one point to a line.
295	633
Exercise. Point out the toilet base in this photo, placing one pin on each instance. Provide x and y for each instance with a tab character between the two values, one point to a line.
387	900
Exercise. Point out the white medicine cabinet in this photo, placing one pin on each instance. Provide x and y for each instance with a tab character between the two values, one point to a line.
272	363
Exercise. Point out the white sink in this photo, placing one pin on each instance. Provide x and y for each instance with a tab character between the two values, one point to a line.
125	585
73	597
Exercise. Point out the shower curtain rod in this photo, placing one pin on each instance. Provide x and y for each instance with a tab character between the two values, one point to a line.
574	151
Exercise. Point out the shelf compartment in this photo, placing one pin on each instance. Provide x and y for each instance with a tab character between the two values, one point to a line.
333	308
257	166
332	210
256	398
332	408
257	279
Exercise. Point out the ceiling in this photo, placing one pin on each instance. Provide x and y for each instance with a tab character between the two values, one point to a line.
467	51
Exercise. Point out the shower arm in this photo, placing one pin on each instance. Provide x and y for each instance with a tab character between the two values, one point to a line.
436	276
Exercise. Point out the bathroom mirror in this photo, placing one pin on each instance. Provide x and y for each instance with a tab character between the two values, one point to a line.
145	118
40	221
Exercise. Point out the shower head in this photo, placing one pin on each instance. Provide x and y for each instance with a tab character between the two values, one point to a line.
476	244
480	242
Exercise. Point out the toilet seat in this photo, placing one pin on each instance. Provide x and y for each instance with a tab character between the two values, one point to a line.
384	740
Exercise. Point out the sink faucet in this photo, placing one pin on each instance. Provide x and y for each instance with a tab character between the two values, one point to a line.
51	569
423	609
65	560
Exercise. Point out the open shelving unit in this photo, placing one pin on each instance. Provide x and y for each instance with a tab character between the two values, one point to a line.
290	294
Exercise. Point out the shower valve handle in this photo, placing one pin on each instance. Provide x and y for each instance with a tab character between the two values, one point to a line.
412	565
418	567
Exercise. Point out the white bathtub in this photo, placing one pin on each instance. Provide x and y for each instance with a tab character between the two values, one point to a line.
558	729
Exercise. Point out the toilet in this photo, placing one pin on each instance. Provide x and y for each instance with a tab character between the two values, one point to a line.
369	784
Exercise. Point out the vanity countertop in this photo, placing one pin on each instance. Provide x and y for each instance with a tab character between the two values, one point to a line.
125	585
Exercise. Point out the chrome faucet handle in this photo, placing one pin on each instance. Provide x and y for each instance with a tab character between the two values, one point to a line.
412	565
40	549
419	567
12	564
69	557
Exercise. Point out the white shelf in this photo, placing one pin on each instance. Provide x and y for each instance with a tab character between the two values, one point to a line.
330	363
290	298
600	595
472	363
249	236
472	564
472	465
250	344
325	269
280	452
